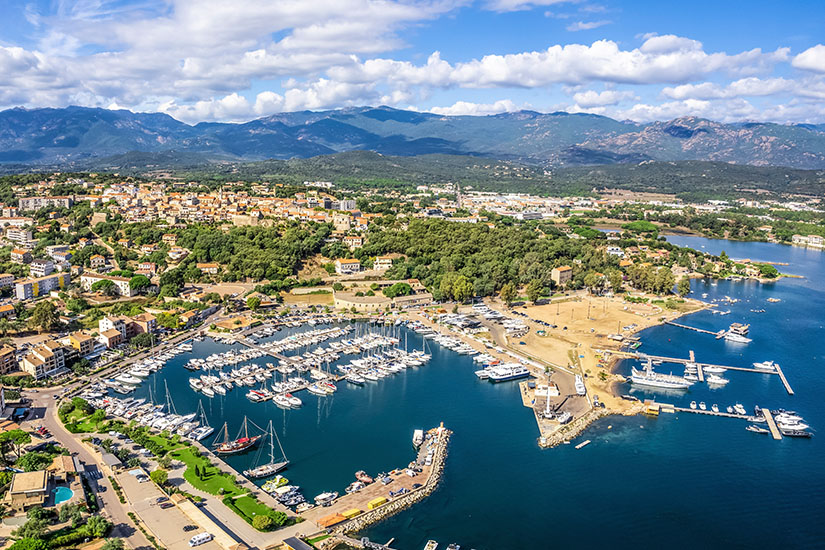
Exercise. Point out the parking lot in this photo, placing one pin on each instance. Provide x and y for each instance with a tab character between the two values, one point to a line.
168	523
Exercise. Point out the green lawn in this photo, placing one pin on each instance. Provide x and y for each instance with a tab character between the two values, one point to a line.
81	422
251	507
212	482
165	442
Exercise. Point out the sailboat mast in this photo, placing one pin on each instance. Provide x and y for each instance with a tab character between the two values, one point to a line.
170	405
271	444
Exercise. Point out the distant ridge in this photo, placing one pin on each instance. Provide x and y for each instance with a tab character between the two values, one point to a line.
74	135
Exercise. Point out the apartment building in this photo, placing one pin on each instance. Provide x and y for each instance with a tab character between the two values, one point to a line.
121	283
44	360
36	203
40	286
41	268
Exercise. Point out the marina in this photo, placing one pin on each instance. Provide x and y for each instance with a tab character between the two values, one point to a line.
330	437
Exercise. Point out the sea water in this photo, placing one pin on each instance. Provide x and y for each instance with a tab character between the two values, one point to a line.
681	481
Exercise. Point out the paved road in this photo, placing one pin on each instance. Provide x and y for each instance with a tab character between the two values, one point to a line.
45	413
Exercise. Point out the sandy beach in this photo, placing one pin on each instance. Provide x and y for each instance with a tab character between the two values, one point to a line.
583	324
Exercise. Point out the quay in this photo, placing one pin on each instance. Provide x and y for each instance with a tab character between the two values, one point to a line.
353	512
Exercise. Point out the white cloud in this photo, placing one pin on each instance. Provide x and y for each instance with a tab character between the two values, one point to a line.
812	59
725	111
476	109
603	60
586	25
518	5
749	87
592	98
202	59
669	43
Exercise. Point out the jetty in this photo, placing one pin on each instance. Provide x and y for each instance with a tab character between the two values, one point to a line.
708	412
353	512
718	334
774	429
784	380
700	365
775	433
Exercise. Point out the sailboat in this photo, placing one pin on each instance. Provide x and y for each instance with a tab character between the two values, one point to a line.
205	430
272	467
239	445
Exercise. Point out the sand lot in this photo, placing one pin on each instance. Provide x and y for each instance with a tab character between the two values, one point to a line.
583	324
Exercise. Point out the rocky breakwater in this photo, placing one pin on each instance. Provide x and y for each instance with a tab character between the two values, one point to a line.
404	501
574	428
577	426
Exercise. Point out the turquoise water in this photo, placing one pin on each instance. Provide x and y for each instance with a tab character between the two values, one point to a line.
62	494
681	480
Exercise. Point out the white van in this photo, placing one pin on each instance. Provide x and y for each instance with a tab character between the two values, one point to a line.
200	538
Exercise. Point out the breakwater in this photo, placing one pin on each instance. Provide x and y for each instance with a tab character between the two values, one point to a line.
574	428
394	506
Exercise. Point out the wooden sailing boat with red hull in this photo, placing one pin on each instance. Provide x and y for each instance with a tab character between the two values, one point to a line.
239	444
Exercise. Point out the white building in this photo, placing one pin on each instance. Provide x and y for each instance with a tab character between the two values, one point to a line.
41	268
121	283
344	266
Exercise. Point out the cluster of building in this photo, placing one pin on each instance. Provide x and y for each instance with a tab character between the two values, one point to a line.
51	357
816	241
362	300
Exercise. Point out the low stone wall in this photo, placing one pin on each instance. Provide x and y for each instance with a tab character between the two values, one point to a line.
574	428
394	506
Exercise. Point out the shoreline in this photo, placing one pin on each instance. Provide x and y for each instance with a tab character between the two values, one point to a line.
575	428
557	354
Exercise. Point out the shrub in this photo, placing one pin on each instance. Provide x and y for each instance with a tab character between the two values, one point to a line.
263	523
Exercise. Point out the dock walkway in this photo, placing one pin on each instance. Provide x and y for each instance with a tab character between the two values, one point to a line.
710	413
695	329
700	366
775	433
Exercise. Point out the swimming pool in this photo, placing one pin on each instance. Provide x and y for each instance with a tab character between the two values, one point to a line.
62	494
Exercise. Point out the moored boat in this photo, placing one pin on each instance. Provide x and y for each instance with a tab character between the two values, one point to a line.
418	438
362	476
648	377
326	498
239	444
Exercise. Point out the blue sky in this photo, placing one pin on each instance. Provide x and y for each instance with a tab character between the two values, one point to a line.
232	61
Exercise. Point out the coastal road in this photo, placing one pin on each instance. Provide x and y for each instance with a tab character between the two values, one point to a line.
44	412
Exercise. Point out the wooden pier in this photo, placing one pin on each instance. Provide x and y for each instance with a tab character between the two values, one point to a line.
709	412
703	331
784	380
775	433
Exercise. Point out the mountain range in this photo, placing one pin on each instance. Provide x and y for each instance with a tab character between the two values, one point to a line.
75	136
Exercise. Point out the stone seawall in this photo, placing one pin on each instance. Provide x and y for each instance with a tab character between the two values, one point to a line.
394	506
576	427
